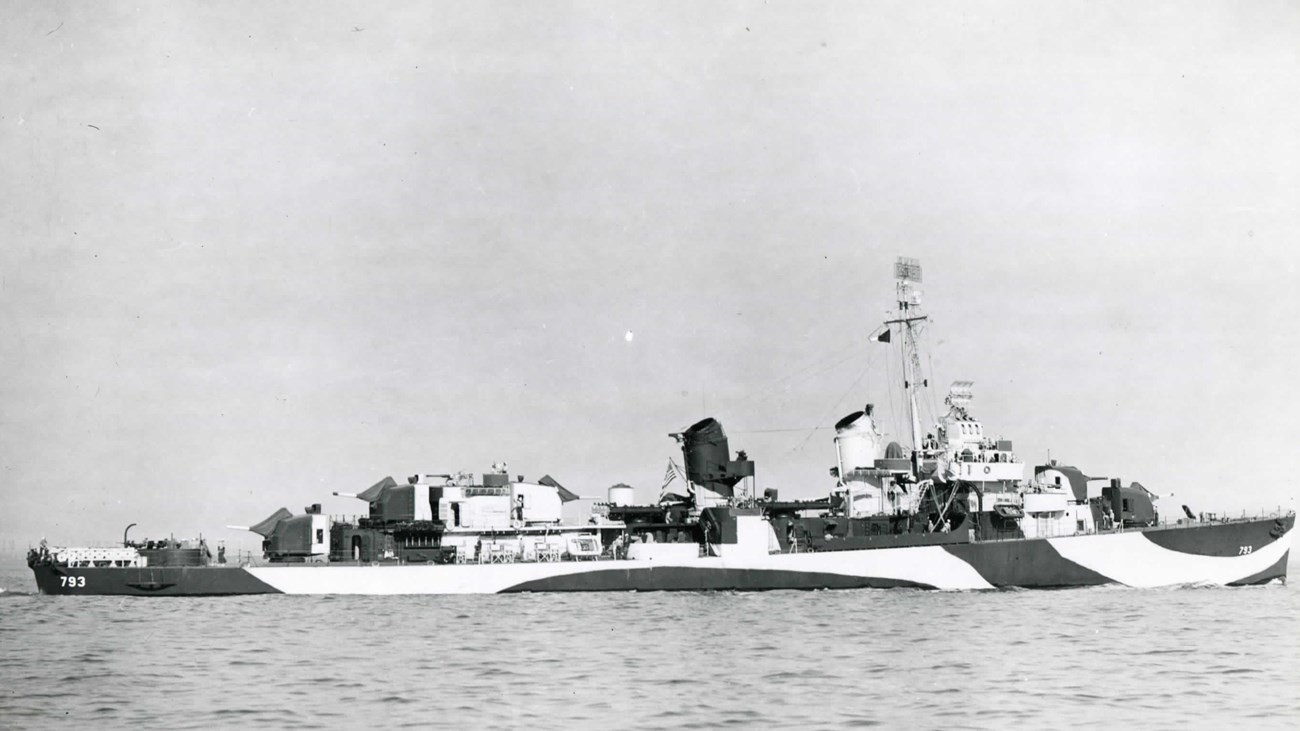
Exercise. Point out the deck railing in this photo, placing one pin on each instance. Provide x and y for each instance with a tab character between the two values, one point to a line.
1164	524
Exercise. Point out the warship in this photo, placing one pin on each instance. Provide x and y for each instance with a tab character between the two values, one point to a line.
952	508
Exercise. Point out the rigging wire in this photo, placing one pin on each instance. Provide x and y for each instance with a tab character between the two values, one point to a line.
832	366
809	371
934	405
778	431
889	389
926	405
866	369
855	345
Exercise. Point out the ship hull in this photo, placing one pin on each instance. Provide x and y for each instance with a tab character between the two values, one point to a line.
1237	553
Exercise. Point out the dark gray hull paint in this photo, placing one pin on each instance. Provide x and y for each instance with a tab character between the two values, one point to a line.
675	578
1026	563
167	581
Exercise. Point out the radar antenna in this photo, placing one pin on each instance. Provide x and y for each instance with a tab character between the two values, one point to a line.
959	396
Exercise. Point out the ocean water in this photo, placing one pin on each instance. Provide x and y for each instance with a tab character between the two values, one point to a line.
1100	657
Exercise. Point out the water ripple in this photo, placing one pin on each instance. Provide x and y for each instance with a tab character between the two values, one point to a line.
1104	657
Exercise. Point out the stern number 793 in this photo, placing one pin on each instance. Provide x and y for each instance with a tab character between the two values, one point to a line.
73	581
1244	550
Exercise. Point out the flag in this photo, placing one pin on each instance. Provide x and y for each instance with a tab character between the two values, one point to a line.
674	473
883	337
670	475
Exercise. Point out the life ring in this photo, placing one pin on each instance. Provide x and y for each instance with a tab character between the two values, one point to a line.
987	469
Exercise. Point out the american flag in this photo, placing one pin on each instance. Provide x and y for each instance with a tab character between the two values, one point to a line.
670	475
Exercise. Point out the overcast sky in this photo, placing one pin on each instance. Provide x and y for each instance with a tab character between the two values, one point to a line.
251	254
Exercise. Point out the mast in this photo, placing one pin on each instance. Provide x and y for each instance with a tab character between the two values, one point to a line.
907	272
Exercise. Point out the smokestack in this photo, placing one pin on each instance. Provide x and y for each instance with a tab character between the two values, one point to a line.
708	458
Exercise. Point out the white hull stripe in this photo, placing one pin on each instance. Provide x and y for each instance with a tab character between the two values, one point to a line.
1131	559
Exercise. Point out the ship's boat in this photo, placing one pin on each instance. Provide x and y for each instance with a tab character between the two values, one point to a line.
953	508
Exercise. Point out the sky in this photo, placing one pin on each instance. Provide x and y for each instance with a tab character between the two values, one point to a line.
254	253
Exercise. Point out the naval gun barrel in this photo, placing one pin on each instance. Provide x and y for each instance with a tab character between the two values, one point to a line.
346	494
